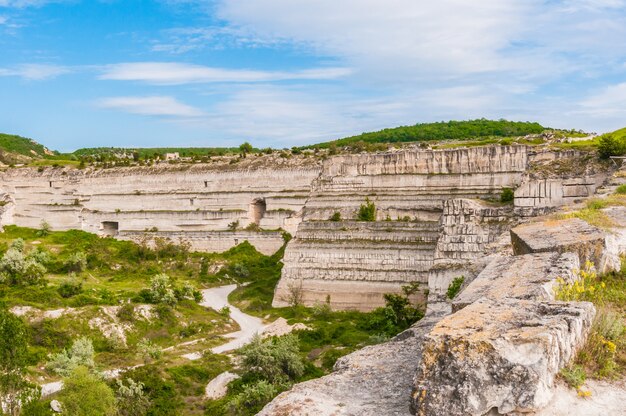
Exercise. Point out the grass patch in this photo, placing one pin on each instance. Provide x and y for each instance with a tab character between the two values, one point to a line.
604	353
621	190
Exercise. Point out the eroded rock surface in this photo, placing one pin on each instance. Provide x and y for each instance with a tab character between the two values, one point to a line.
374	381
563	235
500	355
530	276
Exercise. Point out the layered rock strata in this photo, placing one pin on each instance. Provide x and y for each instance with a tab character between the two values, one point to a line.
194	203
498	353
432	221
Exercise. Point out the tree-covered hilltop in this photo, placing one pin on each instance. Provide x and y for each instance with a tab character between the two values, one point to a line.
444	130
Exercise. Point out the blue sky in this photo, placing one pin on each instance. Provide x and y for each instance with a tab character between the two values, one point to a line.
287	72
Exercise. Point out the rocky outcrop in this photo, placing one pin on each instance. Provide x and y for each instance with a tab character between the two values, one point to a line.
525	277
498	355
588	242
374	381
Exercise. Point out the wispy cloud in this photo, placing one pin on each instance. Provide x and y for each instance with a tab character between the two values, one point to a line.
171	73
150	106
28	3
607	103
35	72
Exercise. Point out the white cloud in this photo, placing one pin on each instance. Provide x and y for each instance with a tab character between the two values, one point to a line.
410	41
170	73
3	20
35	72
150	106
608	103
449	36
27	3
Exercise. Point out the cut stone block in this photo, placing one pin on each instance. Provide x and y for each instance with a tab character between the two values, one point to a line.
567	235
529	276
501	356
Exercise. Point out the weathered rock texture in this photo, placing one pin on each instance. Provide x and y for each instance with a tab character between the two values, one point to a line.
433	223
445	230
573	234
193	203
498	354
374	381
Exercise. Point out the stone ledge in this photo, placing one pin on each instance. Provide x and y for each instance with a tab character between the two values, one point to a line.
567	235
498	355
529	276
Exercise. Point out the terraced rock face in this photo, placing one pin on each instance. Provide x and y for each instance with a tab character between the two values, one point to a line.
193	203
430	224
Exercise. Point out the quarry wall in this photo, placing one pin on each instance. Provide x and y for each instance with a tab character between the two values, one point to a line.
435	215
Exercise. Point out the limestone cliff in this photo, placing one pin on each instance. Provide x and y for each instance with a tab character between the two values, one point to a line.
433	221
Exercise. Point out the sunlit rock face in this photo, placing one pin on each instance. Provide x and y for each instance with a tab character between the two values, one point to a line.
433	221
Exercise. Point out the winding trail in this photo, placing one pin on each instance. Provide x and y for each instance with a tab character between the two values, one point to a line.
215	298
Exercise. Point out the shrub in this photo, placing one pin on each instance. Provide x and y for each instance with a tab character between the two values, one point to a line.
336	216
148	350
44	229
233	226
161	290
455	287
81	354
76	262
507	195
275	360
611	145
367	211
19	269
574	376
84	394
70	287
131	399
253	397
240	270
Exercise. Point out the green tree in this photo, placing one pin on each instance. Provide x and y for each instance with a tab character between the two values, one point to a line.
85	394
14	389
253	397
367	211
611	145
245	149
131	398
81	354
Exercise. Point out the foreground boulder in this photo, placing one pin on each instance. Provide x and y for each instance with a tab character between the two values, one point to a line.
373	381
530	276
568	235
498	355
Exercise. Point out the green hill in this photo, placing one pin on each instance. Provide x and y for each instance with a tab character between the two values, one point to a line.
444	130
18	149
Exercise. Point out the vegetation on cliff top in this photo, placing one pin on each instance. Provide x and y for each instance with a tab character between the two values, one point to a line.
444	130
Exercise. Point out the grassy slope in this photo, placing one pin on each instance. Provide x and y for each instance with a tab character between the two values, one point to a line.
118	270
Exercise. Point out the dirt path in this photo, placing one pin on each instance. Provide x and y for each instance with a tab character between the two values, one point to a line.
215	298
